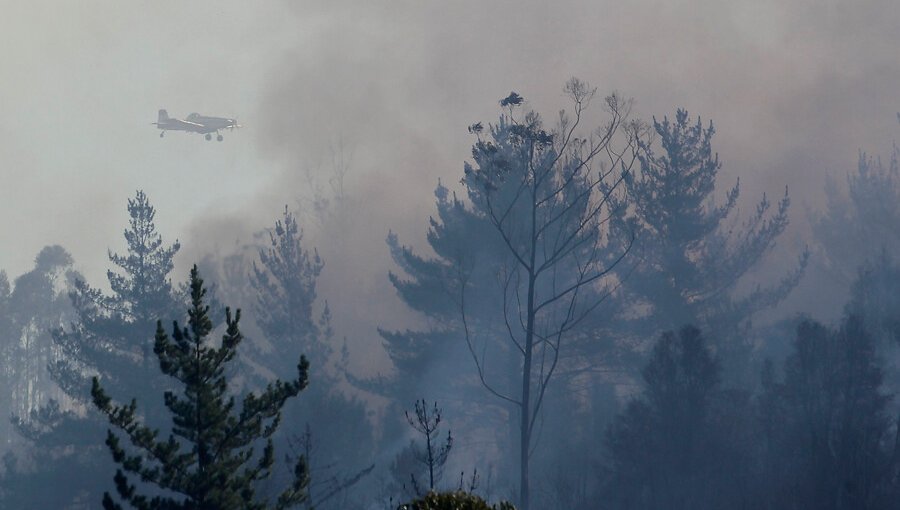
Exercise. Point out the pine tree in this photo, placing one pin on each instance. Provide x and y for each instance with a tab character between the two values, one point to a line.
835	445
208	461
337	433
672	447
110	338
689	255
285	283
858	226
430	286
874	298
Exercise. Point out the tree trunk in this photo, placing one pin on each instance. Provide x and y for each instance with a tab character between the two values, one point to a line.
525	425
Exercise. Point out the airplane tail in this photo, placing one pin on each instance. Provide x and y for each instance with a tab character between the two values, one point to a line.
163	116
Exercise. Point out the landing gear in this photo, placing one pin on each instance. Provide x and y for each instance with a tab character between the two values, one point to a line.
219	138
208	137
161	133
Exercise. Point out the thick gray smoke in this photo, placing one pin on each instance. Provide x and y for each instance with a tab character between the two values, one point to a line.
795	89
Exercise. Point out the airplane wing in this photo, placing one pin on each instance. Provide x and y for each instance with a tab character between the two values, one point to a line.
188	123
178	124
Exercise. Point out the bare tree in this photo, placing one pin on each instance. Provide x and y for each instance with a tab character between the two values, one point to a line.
545	195
435	455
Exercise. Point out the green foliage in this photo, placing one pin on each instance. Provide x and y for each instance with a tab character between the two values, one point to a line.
690	251
337	435
37	304
110	338
672	446
208	461
285	281
875	300
860	225
831	442
143	292
457	500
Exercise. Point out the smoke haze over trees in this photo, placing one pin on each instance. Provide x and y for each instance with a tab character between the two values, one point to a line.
678	289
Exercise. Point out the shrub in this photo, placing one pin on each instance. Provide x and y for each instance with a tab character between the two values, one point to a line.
456	500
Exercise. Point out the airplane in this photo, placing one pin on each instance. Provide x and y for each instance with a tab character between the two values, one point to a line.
195	123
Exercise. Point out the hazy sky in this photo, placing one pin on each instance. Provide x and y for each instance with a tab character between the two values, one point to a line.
795	89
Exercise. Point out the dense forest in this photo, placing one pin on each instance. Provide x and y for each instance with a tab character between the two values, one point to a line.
596	321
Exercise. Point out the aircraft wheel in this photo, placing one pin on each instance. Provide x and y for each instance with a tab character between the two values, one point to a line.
208	136
219	138
161	134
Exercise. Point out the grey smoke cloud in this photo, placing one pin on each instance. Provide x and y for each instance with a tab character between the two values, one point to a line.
795	88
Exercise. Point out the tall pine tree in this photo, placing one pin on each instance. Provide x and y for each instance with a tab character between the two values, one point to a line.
689	253
208	461
110	338
337	437
285	283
